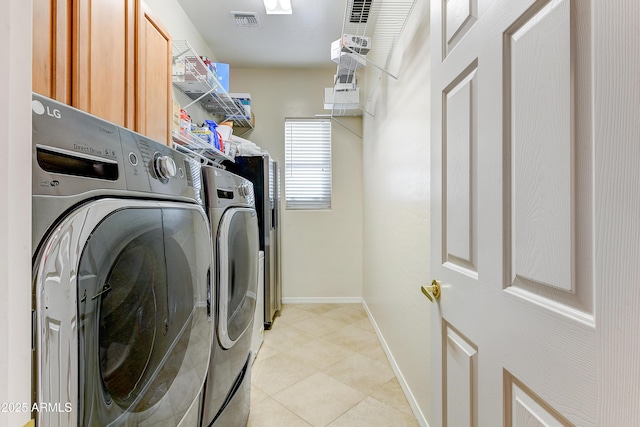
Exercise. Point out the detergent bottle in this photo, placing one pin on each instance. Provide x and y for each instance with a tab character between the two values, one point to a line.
217	138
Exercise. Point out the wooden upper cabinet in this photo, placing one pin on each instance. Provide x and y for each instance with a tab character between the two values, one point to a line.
103	78
110	58
154	99
51	55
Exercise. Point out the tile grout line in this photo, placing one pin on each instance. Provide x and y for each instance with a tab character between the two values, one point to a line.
350	314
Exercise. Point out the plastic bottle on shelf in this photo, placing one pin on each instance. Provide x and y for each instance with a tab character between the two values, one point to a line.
204	133
217	140
220	141
185	122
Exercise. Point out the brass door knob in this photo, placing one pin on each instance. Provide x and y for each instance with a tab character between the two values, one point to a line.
432	292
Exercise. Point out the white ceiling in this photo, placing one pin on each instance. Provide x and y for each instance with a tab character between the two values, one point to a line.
302	39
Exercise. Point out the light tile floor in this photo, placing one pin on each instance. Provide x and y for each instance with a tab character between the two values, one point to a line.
322	365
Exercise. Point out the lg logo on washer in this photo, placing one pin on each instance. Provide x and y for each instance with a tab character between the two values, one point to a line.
40	109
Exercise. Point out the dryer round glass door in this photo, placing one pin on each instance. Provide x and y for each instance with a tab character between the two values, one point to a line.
143	332
237	269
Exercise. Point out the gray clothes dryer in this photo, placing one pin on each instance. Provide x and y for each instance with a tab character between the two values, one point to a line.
122	327
230	205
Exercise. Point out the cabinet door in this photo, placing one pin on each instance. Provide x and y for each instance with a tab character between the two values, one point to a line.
51	55
154	77
103	77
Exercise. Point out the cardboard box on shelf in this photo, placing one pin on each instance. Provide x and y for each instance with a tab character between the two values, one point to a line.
346	99
194	68
359	44
348	60
241	124
175	117
178	71
244	100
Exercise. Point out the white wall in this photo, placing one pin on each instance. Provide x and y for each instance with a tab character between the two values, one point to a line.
396	208
174	18
321	250
15	209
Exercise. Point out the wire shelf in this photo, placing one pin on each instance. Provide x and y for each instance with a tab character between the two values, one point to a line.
381	20
198	149
200	84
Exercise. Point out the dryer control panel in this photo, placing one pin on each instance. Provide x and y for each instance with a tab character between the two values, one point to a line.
223	189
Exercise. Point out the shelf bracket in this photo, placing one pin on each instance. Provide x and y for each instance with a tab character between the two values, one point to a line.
179	55
346	126
245	132
370	62
199	98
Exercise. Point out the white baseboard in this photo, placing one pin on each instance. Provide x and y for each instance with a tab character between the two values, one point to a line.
322	300
420	418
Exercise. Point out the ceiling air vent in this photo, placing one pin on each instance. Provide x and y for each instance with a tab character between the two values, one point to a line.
360	11
246	19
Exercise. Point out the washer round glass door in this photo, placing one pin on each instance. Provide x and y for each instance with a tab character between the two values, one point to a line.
237	269
141	305
140	301
138	277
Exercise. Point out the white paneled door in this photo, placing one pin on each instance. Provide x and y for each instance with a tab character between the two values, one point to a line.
532	135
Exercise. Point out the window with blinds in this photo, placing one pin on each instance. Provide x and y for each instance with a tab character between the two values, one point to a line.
308	163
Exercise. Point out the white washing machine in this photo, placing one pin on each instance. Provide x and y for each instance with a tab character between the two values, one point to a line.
122	323
230	204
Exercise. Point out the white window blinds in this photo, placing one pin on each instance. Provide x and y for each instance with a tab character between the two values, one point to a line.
308	163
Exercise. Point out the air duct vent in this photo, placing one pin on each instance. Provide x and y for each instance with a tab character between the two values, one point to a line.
246	19
360	11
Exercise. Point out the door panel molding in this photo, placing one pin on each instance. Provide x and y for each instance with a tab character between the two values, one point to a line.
548	245
459	379
523	408
459	17
542	146
459	153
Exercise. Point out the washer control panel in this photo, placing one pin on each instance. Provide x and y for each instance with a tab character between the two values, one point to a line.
75	152
165	167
